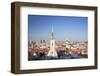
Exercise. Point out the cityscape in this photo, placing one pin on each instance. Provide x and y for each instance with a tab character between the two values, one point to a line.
51	46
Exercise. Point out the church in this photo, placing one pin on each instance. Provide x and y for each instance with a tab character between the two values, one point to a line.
52	52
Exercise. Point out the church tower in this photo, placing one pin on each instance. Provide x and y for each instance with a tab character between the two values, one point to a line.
52	52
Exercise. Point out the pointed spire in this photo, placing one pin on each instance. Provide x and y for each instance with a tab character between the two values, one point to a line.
52	33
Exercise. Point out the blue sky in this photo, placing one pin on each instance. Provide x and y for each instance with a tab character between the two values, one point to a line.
65	27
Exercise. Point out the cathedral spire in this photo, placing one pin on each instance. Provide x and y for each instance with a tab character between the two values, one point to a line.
52	33
52	52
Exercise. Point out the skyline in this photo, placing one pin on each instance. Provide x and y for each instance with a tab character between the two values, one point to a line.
64	28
